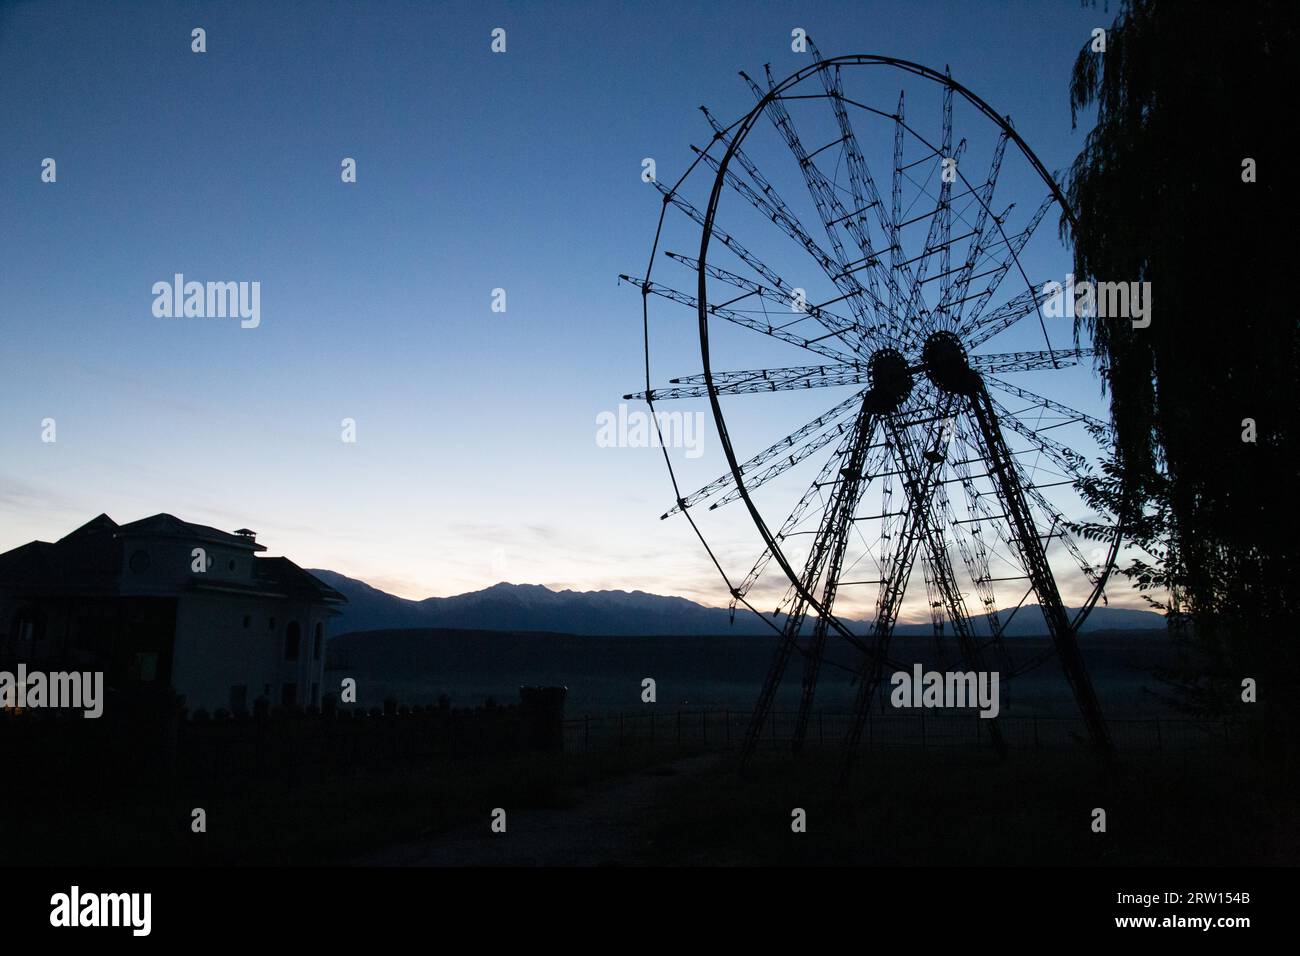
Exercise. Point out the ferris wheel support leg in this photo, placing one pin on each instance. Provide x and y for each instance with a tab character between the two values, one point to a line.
775	671
920	492
1002	468
827	552
944	580
844	504
947	584
811	670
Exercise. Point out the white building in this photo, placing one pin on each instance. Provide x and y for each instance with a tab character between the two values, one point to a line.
161	602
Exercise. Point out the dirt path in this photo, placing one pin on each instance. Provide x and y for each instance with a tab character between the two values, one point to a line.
604	828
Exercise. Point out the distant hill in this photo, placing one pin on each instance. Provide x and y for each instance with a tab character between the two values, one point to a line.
534	607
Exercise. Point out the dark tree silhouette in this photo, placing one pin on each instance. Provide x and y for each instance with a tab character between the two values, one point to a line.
1185	93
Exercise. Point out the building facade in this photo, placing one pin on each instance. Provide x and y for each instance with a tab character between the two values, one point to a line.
162	603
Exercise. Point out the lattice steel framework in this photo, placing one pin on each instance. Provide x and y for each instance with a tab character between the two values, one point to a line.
918	465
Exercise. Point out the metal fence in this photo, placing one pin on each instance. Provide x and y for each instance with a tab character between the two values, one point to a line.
726	729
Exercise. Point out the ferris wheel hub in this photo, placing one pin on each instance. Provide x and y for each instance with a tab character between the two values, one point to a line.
944	358
890	375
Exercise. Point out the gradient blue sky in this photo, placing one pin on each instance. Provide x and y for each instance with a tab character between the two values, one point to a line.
476	459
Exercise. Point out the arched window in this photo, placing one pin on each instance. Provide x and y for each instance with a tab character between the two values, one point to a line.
292	638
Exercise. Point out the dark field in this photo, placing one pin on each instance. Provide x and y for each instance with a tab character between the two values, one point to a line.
603	674
664	805
632	789
910	809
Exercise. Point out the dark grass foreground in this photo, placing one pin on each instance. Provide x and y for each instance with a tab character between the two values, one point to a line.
290	818
917	809
641	805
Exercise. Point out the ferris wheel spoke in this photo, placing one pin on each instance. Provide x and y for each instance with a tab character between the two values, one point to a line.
839	324
792	521
738	318
1058	526
940	319
1074	467
778	468
795	375
853	343
1014	246
792	446
1070	462
985	228
773	208
940	240
829	208
940	228
982	518
1029	361
1066	410
846	284
1061	533
777	209
862	184
1005	316
896	210
754	381
1033	491
984	515
879	469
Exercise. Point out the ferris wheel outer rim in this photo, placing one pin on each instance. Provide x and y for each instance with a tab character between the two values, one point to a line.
743	128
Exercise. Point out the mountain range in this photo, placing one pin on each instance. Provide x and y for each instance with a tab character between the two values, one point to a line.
534	607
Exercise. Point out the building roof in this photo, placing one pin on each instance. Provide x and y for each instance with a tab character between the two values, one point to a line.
286	575
169	526
89	561
88	564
